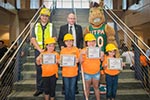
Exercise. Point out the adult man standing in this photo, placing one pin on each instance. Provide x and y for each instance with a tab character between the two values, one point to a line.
75	30
41	31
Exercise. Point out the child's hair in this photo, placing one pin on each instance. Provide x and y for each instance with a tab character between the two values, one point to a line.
106	53
86	43
45	49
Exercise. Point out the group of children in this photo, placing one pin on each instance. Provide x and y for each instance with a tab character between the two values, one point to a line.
91	68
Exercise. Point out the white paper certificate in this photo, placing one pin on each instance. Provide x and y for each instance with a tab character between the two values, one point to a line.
67	60
93	52
115	63
49	59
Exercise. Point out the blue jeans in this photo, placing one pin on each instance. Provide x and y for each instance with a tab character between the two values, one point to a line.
111	86
69	83
39	83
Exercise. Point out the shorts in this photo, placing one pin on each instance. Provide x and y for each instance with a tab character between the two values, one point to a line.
90	76
49	85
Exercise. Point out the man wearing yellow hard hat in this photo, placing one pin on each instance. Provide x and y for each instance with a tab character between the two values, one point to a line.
42	30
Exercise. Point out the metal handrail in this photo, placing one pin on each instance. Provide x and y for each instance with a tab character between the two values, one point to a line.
20	34
137	65
52	10
127	26
20	45
128	29
28	33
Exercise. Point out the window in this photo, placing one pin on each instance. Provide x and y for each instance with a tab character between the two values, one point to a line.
48	3
124	4
18	4
34	4
109	3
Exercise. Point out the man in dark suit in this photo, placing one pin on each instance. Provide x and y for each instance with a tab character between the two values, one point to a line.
75	30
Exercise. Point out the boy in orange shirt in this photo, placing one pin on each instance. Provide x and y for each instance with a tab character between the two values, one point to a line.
91	66
49	70
69	73
111	74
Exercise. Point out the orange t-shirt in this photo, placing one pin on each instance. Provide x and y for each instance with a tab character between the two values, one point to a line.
70	71
143	60
109	71
90	66
50	69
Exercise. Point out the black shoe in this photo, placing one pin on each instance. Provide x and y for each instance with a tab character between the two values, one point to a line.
77	92
37	93
63	92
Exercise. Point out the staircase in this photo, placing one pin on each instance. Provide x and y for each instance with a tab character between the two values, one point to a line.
128	89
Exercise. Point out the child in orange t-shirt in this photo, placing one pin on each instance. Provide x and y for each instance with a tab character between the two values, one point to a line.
50	69
69	73
111	74
91	66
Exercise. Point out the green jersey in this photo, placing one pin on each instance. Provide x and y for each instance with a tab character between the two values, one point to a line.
100	35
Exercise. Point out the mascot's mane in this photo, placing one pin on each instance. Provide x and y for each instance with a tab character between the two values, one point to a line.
99	5
95	4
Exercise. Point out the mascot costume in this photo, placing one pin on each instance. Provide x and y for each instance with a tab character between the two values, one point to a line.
103	32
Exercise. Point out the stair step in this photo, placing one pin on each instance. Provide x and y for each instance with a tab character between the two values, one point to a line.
129	84
30	59
126	73
29	67
29	70
27	85
136	94
28	75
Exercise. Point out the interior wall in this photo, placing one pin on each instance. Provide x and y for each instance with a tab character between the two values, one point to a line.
139	20
139	16
9	26
4	35
4	27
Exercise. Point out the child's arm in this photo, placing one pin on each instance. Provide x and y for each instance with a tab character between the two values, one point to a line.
39	60
57	58
104	64
82	52
102	55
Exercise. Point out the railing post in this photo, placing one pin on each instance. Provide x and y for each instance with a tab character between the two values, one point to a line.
138	74
116	35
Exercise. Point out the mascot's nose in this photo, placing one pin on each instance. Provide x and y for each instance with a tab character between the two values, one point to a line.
97	20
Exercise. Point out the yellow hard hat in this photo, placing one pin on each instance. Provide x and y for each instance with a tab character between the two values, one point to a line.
110	47
45	11
89	37
50	41
68	36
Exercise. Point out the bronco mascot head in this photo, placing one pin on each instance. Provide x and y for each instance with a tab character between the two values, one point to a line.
103	33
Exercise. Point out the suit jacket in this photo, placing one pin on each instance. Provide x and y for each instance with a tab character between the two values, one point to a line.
79	35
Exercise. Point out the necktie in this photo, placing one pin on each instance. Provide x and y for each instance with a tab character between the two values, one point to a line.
71	29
